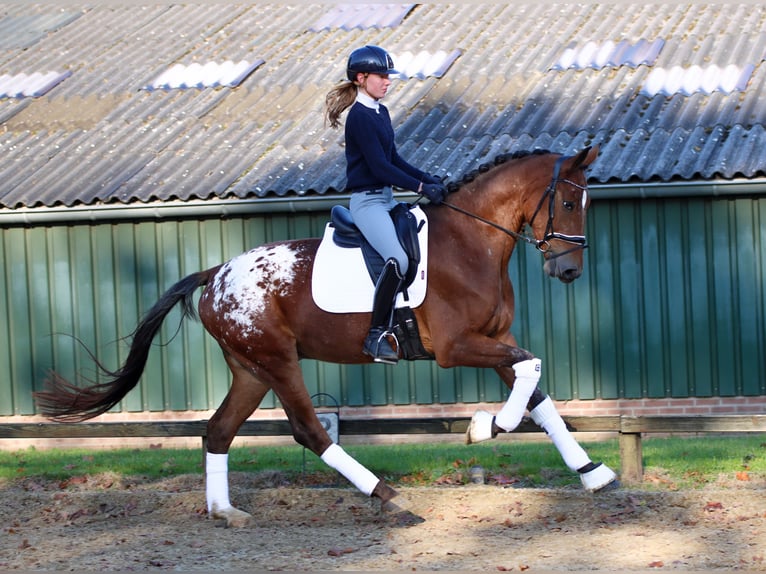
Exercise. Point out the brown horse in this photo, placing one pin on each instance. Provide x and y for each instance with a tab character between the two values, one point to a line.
259	308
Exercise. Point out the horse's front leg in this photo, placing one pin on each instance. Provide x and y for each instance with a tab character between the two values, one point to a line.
484	426
518	368
593	475
525	395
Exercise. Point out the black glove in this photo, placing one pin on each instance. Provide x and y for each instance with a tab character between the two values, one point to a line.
435	192
428	178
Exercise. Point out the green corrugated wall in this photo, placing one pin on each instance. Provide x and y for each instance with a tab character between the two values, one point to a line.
671	304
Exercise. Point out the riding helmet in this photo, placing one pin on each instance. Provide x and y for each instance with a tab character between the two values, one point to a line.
369	60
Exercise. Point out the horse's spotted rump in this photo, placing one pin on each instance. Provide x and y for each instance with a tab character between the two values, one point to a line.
244	284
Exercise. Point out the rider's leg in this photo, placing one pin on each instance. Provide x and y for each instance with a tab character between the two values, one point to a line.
376	344
371	215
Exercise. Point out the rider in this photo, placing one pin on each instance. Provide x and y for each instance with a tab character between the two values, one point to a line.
373	166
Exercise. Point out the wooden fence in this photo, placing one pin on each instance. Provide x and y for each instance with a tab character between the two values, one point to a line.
629	429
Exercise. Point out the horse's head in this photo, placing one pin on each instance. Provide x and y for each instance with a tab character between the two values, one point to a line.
558	219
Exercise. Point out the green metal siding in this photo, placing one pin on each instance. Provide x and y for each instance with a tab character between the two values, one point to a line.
671	304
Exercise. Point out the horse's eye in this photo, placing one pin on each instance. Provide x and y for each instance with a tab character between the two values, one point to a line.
568	205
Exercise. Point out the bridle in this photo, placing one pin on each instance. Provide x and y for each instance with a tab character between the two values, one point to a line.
543	245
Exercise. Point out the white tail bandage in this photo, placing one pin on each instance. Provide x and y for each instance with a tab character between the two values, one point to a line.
527	377
357	474
217	481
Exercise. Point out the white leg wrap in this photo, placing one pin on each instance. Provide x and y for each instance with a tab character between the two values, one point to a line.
217	481
357	474
527	377
597	478
480	428
546	416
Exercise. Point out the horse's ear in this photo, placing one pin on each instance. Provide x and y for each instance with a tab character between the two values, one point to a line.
584	158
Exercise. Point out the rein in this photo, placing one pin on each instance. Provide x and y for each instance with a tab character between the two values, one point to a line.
542	245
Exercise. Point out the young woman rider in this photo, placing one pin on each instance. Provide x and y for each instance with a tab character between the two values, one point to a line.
373	167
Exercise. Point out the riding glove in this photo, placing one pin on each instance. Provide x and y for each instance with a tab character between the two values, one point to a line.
435	192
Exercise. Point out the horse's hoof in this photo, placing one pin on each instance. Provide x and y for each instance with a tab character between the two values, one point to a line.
390	507
405	518
398	516
598	478
234	517
480	428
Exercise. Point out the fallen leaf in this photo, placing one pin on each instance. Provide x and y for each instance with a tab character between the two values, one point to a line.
713	506
502	479
656	564
742	475
335	551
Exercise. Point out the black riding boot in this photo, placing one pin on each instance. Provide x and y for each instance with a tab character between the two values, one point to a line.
376	344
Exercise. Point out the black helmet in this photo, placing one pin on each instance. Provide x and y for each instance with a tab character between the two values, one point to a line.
369	60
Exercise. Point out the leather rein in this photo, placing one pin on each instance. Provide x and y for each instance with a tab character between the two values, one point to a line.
542	245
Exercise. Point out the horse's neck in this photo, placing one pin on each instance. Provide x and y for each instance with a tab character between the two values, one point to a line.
499	198
478	239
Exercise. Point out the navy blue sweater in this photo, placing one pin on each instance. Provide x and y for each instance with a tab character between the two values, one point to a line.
371	157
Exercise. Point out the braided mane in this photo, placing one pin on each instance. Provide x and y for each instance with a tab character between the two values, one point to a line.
485	167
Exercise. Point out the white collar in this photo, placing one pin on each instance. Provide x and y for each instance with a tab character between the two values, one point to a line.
368	101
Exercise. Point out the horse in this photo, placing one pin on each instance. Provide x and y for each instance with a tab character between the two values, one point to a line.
258	307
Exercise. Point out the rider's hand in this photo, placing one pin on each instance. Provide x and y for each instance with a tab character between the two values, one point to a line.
435	192
428	178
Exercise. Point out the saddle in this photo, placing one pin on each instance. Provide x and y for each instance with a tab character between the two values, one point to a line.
347	235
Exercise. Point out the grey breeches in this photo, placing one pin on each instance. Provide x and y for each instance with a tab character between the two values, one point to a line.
370	213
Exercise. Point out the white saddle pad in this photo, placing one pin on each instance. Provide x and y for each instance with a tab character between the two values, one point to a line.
340	282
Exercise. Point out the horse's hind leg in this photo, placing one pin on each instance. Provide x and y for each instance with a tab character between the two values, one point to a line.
309	432
245	395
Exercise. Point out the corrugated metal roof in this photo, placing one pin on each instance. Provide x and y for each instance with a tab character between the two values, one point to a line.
424	64
31	85
361	15
678	80
208	75
610	54
100	137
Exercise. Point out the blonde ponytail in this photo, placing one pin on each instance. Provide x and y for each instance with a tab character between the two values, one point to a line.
338	100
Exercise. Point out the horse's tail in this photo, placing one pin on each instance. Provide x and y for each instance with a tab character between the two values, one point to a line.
64	402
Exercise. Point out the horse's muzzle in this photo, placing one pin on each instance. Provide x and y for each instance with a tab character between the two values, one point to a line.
565	269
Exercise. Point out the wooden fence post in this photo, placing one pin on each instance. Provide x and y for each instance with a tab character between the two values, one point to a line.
631	458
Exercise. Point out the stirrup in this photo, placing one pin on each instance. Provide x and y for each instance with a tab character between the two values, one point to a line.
376	345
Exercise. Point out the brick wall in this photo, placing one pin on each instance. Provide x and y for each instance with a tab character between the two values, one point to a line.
632	407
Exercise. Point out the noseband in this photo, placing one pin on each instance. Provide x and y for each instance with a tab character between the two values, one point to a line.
542	245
